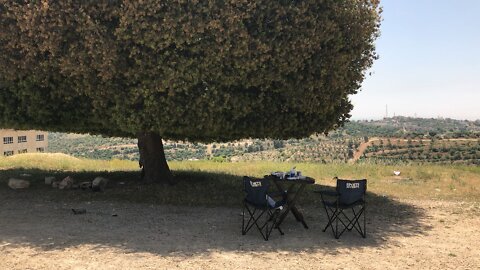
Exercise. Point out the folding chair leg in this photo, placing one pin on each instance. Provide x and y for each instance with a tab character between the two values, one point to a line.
353	222
336	227
265	229
275	222
243	221
335	217
273	219
364	235
330	218
252	220
349	228
248	226
267	232
362	231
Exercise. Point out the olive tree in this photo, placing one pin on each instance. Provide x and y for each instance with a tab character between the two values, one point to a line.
200	71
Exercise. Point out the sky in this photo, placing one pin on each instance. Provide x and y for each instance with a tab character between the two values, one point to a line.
429	62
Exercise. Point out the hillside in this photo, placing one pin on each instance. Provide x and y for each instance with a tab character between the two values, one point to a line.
391	140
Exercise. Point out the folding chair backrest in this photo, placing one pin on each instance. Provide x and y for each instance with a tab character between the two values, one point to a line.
256	190
351	191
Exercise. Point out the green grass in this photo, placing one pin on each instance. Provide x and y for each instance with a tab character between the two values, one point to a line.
62	162
216	183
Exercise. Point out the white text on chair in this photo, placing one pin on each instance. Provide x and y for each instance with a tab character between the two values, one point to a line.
353	185
255	184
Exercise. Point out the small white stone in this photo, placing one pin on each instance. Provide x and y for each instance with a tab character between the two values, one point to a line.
66	183
18	183
49	180
99	184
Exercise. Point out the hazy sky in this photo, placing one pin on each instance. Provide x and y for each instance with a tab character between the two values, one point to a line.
429	62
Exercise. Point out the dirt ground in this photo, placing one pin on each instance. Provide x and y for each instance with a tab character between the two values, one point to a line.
39	234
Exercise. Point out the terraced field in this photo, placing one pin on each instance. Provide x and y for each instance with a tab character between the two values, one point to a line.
445	151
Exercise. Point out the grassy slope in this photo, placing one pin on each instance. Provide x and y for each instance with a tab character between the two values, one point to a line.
213	183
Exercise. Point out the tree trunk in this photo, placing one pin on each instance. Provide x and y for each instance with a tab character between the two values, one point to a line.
152	159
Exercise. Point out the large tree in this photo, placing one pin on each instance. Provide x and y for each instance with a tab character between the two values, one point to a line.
211	70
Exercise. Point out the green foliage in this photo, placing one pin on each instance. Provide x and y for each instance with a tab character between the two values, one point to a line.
188	70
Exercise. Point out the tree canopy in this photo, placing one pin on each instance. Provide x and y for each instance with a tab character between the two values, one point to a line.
186	70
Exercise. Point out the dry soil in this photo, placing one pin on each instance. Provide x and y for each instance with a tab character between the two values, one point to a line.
38	234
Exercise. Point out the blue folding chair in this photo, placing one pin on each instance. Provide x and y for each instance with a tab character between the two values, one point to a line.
346	206
262	209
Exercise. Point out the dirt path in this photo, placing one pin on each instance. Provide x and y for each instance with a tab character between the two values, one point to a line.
361	149
36	234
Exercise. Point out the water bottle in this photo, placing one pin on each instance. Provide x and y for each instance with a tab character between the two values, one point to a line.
292	172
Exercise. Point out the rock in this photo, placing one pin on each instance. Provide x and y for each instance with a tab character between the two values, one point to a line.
99	184
55	184
18	183
85	185
79	211
66	183
49	180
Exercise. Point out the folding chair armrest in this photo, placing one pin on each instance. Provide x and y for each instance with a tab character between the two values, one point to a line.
327	192
277	194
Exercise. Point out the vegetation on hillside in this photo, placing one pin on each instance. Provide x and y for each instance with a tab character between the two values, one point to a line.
441	151
391	140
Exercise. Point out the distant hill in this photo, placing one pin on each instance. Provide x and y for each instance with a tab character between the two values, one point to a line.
390	140
400	126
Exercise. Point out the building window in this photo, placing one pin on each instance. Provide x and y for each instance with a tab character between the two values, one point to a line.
40	149
8	153
40	137
22	151
22	139
7	140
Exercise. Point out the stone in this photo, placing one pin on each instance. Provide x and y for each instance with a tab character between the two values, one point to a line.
49	180
79	211
18	183
66	183
99	184
85	185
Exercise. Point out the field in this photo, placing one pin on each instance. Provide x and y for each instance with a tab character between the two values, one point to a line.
454	182
425	218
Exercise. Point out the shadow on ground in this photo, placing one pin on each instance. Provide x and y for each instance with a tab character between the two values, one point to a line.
199	215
